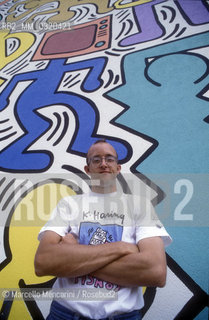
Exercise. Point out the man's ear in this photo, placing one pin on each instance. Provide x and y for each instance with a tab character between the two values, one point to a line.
118	168
86	168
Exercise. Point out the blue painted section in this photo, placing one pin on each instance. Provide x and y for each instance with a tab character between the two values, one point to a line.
43	91
173	115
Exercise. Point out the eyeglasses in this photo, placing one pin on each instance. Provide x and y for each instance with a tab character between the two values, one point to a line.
97	160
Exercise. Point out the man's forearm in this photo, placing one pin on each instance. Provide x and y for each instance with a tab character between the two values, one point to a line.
72	260
125	271
136	269
120	271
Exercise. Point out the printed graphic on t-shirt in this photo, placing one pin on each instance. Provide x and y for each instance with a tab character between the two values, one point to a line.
94	233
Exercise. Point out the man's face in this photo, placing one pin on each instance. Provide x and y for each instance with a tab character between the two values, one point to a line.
102	163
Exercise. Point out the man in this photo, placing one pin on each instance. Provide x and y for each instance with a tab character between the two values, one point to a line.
101	240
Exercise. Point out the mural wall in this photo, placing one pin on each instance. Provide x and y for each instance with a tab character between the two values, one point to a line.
133	72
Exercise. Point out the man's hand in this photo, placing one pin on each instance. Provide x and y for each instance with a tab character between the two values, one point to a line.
69	239
147	267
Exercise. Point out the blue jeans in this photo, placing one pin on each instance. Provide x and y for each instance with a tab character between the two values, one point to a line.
58	312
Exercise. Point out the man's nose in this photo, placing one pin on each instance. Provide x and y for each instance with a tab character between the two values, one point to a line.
103	162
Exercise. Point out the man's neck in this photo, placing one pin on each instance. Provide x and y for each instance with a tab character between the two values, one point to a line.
104	189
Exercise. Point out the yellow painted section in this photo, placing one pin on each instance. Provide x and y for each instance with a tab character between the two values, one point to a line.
2	81
25	40
25	225
61	14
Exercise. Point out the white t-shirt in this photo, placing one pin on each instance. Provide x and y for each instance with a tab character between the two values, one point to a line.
97	219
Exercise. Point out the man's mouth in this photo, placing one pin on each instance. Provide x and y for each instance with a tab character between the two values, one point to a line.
101	172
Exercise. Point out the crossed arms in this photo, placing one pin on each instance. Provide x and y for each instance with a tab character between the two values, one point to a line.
121	263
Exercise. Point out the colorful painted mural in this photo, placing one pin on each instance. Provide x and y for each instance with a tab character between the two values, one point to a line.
133	72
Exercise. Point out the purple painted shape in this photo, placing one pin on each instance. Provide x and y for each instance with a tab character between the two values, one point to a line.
150	30
195	10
